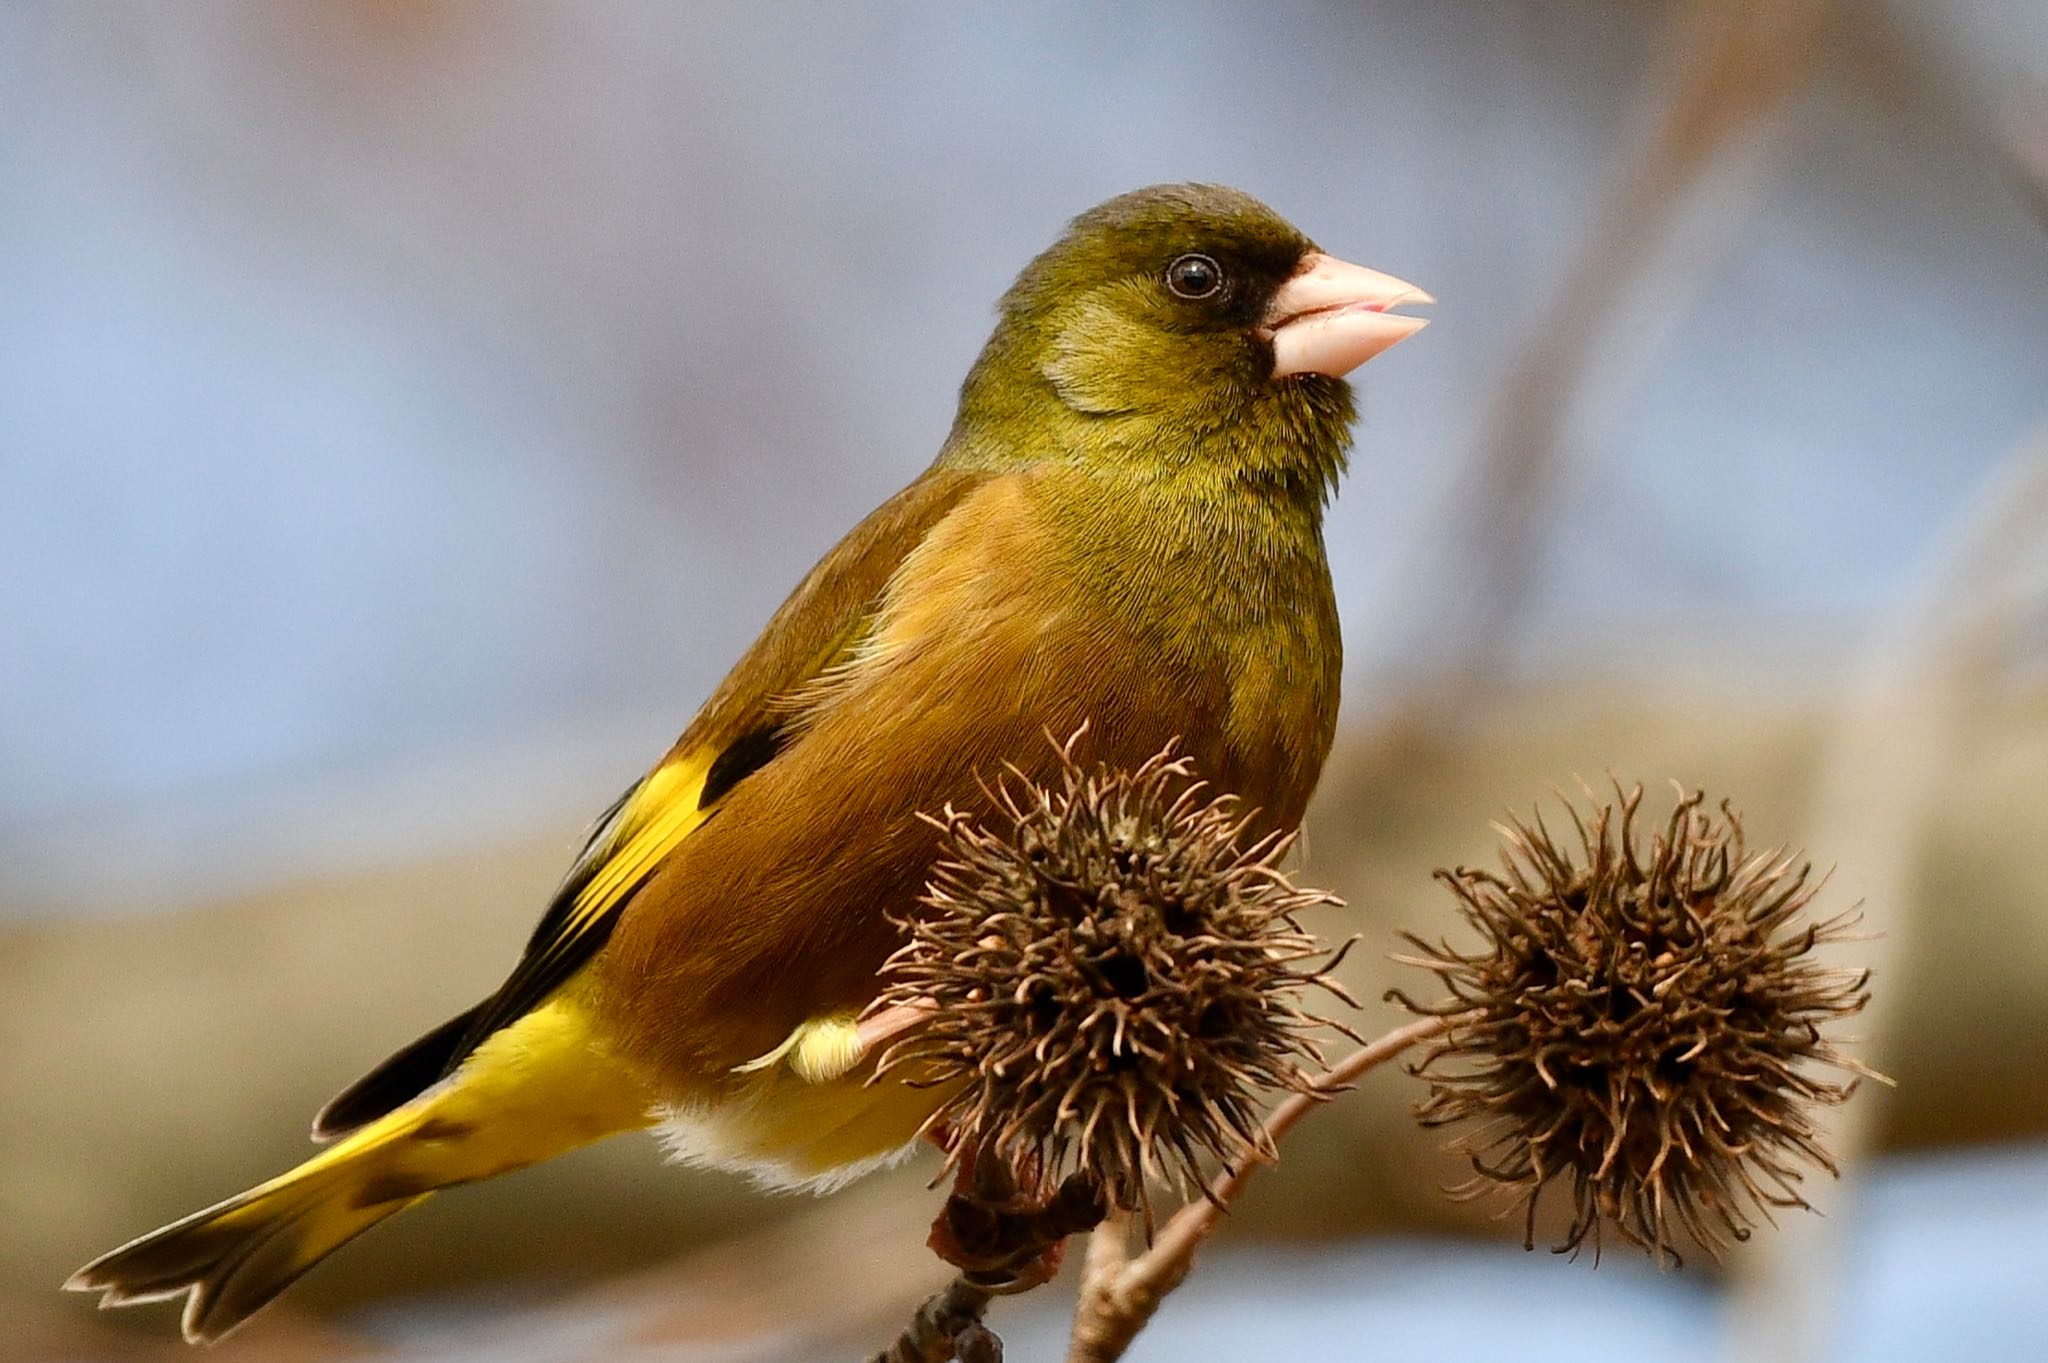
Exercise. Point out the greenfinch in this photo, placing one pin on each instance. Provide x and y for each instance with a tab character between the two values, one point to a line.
1123	530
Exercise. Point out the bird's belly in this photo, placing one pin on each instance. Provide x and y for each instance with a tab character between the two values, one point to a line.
790	1133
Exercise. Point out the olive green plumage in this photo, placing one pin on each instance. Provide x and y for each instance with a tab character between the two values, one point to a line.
1095	360
1123	530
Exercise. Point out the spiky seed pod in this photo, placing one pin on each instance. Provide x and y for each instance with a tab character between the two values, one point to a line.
1643	1023
1113	977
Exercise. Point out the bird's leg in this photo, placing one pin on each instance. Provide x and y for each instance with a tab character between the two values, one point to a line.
1002	1231
947	1326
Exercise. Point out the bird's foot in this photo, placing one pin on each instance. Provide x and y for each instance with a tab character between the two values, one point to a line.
1005	1233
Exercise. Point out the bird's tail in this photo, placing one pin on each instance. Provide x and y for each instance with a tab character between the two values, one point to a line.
537	1089
238	1254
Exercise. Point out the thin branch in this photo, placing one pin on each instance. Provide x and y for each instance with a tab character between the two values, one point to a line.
947	1325
1119	1294
1097	1311
1174	1250
1109	1248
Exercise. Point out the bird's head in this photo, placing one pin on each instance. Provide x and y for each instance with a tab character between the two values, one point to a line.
1181	321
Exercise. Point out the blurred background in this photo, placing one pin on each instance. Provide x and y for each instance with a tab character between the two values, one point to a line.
408	409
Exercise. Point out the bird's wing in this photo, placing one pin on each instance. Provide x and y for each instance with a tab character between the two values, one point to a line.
741	728
987	649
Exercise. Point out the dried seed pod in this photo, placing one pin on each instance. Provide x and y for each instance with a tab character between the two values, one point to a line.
1112	976
1642	1023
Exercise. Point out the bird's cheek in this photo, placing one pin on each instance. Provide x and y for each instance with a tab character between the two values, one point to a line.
1096	361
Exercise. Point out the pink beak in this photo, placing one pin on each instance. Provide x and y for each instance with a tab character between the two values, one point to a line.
1332	317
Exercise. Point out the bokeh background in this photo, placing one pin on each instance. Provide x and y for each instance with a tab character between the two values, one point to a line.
409	408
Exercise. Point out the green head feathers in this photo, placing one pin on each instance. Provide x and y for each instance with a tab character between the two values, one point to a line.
1142	336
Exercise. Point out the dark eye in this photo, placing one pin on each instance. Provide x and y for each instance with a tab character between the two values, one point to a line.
1194	276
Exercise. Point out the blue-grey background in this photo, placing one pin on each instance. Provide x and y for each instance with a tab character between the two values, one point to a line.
409	409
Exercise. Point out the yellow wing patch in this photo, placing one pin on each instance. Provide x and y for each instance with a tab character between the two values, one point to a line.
645	826
656	817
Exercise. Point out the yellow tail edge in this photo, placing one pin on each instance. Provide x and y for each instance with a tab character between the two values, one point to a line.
539	1088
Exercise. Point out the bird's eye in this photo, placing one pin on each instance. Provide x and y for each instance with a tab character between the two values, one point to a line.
1194	276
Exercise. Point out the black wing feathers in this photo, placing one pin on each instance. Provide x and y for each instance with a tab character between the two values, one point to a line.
744	756
398	1080
553	954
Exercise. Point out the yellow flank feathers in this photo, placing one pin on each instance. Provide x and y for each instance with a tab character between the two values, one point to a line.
826	1049
660	814
817	1052
807	1115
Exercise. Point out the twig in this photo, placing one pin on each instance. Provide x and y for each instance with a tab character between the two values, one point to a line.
1120	1294
1099	1310
946	1326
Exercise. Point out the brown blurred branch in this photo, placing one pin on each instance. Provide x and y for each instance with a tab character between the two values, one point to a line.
1119	1294
1902	731
1724	68
2026	142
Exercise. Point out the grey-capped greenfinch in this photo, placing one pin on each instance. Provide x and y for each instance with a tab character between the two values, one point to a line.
1123	530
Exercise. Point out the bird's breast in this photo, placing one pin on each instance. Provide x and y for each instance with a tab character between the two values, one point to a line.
1232	601
1030	612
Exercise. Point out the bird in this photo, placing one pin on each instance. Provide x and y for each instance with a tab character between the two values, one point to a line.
1122	532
